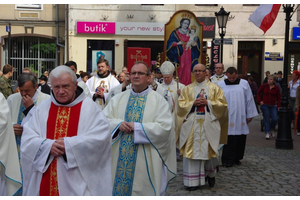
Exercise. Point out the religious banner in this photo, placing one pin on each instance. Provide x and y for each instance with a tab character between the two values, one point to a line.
135	54
183	43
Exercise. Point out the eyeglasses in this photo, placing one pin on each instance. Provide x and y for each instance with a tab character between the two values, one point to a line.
195	71
138	73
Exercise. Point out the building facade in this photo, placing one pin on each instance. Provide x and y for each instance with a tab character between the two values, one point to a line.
36	35
113	31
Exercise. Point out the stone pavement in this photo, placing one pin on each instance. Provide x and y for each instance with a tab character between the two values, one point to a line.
265	171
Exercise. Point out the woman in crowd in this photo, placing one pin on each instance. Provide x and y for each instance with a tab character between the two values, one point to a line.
268	96
293	84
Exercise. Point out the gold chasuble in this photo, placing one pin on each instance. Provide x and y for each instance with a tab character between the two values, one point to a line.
62	122
128	150
219	109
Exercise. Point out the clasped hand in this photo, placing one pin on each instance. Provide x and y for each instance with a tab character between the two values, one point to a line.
200	101
127	127
58	148
100	93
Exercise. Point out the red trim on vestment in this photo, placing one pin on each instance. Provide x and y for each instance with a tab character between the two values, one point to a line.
62	122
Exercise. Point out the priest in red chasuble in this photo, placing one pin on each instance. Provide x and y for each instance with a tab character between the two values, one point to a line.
66	145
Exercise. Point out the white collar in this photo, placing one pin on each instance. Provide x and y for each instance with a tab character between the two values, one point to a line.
141	93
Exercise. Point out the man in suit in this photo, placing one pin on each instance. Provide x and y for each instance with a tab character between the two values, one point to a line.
280	80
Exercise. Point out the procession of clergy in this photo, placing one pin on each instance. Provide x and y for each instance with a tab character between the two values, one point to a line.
122	139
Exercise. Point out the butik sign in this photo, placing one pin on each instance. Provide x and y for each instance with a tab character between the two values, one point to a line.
96	27
139	28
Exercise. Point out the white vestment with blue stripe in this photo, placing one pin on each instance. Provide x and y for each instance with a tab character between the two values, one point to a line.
155	163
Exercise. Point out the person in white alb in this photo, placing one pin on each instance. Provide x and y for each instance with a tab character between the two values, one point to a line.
167	69
218	76
241	107
10	175
202	122
101	83
22	106
143	148
66	145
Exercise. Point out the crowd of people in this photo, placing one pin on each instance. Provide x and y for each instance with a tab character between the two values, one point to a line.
122	134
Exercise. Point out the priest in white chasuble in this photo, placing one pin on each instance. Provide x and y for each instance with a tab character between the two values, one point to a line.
203	122
143	148
66	145
22	105
10	175
167	69
101	83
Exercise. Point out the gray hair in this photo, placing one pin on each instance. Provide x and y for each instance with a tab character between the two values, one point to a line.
62	69
25	77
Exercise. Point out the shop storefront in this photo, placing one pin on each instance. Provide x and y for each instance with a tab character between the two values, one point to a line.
111	40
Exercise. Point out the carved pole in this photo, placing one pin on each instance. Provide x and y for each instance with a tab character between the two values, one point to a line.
177	78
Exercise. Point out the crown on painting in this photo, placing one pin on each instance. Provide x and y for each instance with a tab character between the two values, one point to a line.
186	15
194	27
167	68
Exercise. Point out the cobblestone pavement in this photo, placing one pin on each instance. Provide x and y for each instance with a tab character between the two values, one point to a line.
265	171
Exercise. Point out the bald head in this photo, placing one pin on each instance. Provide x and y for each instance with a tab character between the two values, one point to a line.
199	65
199	72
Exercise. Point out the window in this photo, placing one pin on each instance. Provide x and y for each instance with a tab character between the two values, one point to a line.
29	6
36	53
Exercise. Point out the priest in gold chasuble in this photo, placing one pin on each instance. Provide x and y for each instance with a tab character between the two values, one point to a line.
202	122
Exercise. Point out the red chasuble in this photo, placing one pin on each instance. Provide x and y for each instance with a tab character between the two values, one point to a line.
62	122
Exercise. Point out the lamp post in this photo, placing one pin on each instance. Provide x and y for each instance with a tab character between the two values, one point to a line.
284	139
222	17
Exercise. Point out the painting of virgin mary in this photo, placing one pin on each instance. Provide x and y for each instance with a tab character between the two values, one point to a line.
181	50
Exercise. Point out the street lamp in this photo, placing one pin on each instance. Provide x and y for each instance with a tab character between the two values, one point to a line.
222	17
284	139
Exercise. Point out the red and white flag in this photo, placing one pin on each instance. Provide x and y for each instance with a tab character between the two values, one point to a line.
264	16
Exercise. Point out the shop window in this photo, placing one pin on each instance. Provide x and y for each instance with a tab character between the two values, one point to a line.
97	49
